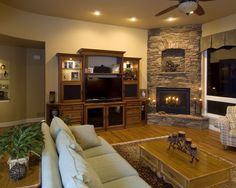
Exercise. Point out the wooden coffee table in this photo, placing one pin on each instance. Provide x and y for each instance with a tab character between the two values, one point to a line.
32	179
176	168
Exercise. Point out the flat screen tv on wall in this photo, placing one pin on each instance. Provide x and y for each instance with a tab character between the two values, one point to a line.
103	89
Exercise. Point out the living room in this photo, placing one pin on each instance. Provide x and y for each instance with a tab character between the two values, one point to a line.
44	36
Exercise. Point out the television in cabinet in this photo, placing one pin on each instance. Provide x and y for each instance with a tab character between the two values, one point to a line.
103	89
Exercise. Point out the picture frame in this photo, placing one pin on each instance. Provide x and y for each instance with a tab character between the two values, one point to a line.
77	64
70	64
74	75
116	69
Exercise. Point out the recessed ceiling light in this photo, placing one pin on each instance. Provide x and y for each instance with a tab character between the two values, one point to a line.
171	19
97	13
133	19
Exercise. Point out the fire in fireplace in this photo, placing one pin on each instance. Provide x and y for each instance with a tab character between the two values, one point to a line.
173	100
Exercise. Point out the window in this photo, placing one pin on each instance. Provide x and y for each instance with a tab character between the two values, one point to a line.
221	72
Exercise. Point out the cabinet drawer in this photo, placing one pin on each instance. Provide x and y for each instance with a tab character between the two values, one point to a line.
133	119
173	176
72	114
67	107
71	107
78	107
135	110
77	121
133	103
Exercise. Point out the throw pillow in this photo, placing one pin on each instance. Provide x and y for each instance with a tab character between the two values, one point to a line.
72	165
86	136
56	125
63	139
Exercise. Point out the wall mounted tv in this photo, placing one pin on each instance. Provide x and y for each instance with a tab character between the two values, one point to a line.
103	89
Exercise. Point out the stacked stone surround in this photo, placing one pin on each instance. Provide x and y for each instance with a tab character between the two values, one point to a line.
179	120
179	37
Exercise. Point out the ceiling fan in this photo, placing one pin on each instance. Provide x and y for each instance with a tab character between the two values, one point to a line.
186	6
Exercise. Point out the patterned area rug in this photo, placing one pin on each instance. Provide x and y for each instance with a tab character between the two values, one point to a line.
131	152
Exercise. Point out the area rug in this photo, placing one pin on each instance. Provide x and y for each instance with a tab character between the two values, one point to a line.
131	152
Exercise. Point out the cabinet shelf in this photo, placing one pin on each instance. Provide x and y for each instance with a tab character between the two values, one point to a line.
4	82
70	77
103	75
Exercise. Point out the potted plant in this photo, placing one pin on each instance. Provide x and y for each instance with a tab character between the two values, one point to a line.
18	143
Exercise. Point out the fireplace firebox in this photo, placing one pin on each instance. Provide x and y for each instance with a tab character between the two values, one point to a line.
173	100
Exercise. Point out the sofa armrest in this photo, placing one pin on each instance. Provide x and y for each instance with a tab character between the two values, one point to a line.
224	124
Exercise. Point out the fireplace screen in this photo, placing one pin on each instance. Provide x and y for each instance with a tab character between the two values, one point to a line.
173	100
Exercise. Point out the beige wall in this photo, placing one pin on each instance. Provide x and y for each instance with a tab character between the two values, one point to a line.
15	108
35	83
220	25
26	85
63	35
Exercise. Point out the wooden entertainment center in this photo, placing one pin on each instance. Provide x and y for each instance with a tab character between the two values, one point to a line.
99	87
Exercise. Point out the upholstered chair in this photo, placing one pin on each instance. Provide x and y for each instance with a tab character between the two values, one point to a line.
227	125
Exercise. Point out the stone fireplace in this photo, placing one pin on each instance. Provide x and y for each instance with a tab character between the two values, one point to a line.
174	76
174	62
173	100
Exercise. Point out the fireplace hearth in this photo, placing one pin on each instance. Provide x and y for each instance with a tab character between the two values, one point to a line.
173	100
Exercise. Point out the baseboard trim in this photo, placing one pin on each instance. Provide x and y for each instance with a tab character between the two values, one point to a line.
12	123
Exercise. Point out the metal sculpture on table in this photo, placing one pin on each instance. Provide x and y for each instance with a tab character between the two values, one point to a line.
179	141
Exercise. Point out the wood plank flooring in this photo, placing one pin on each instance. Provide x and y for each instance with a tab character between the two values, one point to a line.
205	139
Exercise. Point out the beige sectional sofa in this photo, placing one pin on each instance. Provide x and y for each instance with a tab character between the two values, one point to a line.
77	158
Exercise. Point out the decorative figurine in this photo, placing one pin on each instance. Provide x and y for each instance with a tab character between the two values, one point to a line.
193	152
179	141
173	140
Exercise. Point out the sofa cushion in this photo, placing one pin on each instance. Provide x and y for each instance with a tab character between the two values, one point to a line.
105	148
232	132
75	183
86	136
56	125
127	182
63	139
72	165
50	170
111	166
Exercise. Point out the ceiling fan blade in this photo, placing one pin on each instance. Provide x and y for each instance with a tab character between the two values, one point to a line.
167	10
199	11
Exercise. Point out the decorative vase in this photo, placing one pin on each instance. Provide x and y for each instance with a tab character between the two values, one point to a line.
143	94
52	96
18	168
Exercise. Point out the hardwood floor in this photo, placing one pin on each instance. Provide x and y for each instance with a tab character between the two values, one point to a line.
205	139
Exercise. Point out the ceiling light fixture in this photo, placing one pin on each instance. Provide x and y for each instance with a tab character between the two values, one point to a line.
133	19
188	6
170	19
97	13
